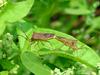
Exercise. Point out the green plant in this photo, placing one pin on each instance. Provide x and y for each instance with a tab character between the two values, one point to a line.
20	19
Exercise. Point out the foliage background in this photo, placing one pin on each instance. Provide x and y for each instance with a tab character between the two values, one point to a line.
78	18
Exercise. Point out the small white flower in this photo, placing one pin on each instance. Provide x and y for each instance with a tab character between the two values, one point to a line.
69	71
14	70
57	71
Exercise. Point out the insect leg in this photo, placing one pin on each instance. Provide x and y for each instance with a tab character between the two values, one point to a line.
23	36
46	42
39	42
85	50
80	51
34	43
23	31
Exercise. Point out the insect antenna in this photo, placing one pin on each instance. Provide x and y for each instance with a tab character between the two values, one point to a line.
23	34
26	37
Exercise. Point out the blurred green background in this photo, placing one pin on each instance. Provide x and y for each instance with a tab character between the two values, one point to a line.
78	18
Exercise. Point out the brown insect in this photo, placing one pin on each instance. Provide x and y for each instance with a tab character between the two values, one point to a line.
38	36
46	36
68	42
42	36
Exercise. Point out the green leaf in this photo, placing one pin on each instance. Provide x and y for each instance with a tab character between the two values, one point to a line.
84	53
78	11
16	12
2	26
78	7
41	12
22	27
6	64
94	24
20	38
4	73
34	64
78	3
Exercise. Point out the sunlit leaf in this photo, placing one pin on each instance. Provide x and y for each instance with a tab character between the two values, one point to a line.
4	73
78	11
82	55
16	12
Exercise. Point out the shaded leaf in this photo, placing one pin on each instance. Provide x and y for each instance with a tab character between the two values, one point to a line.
34	64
